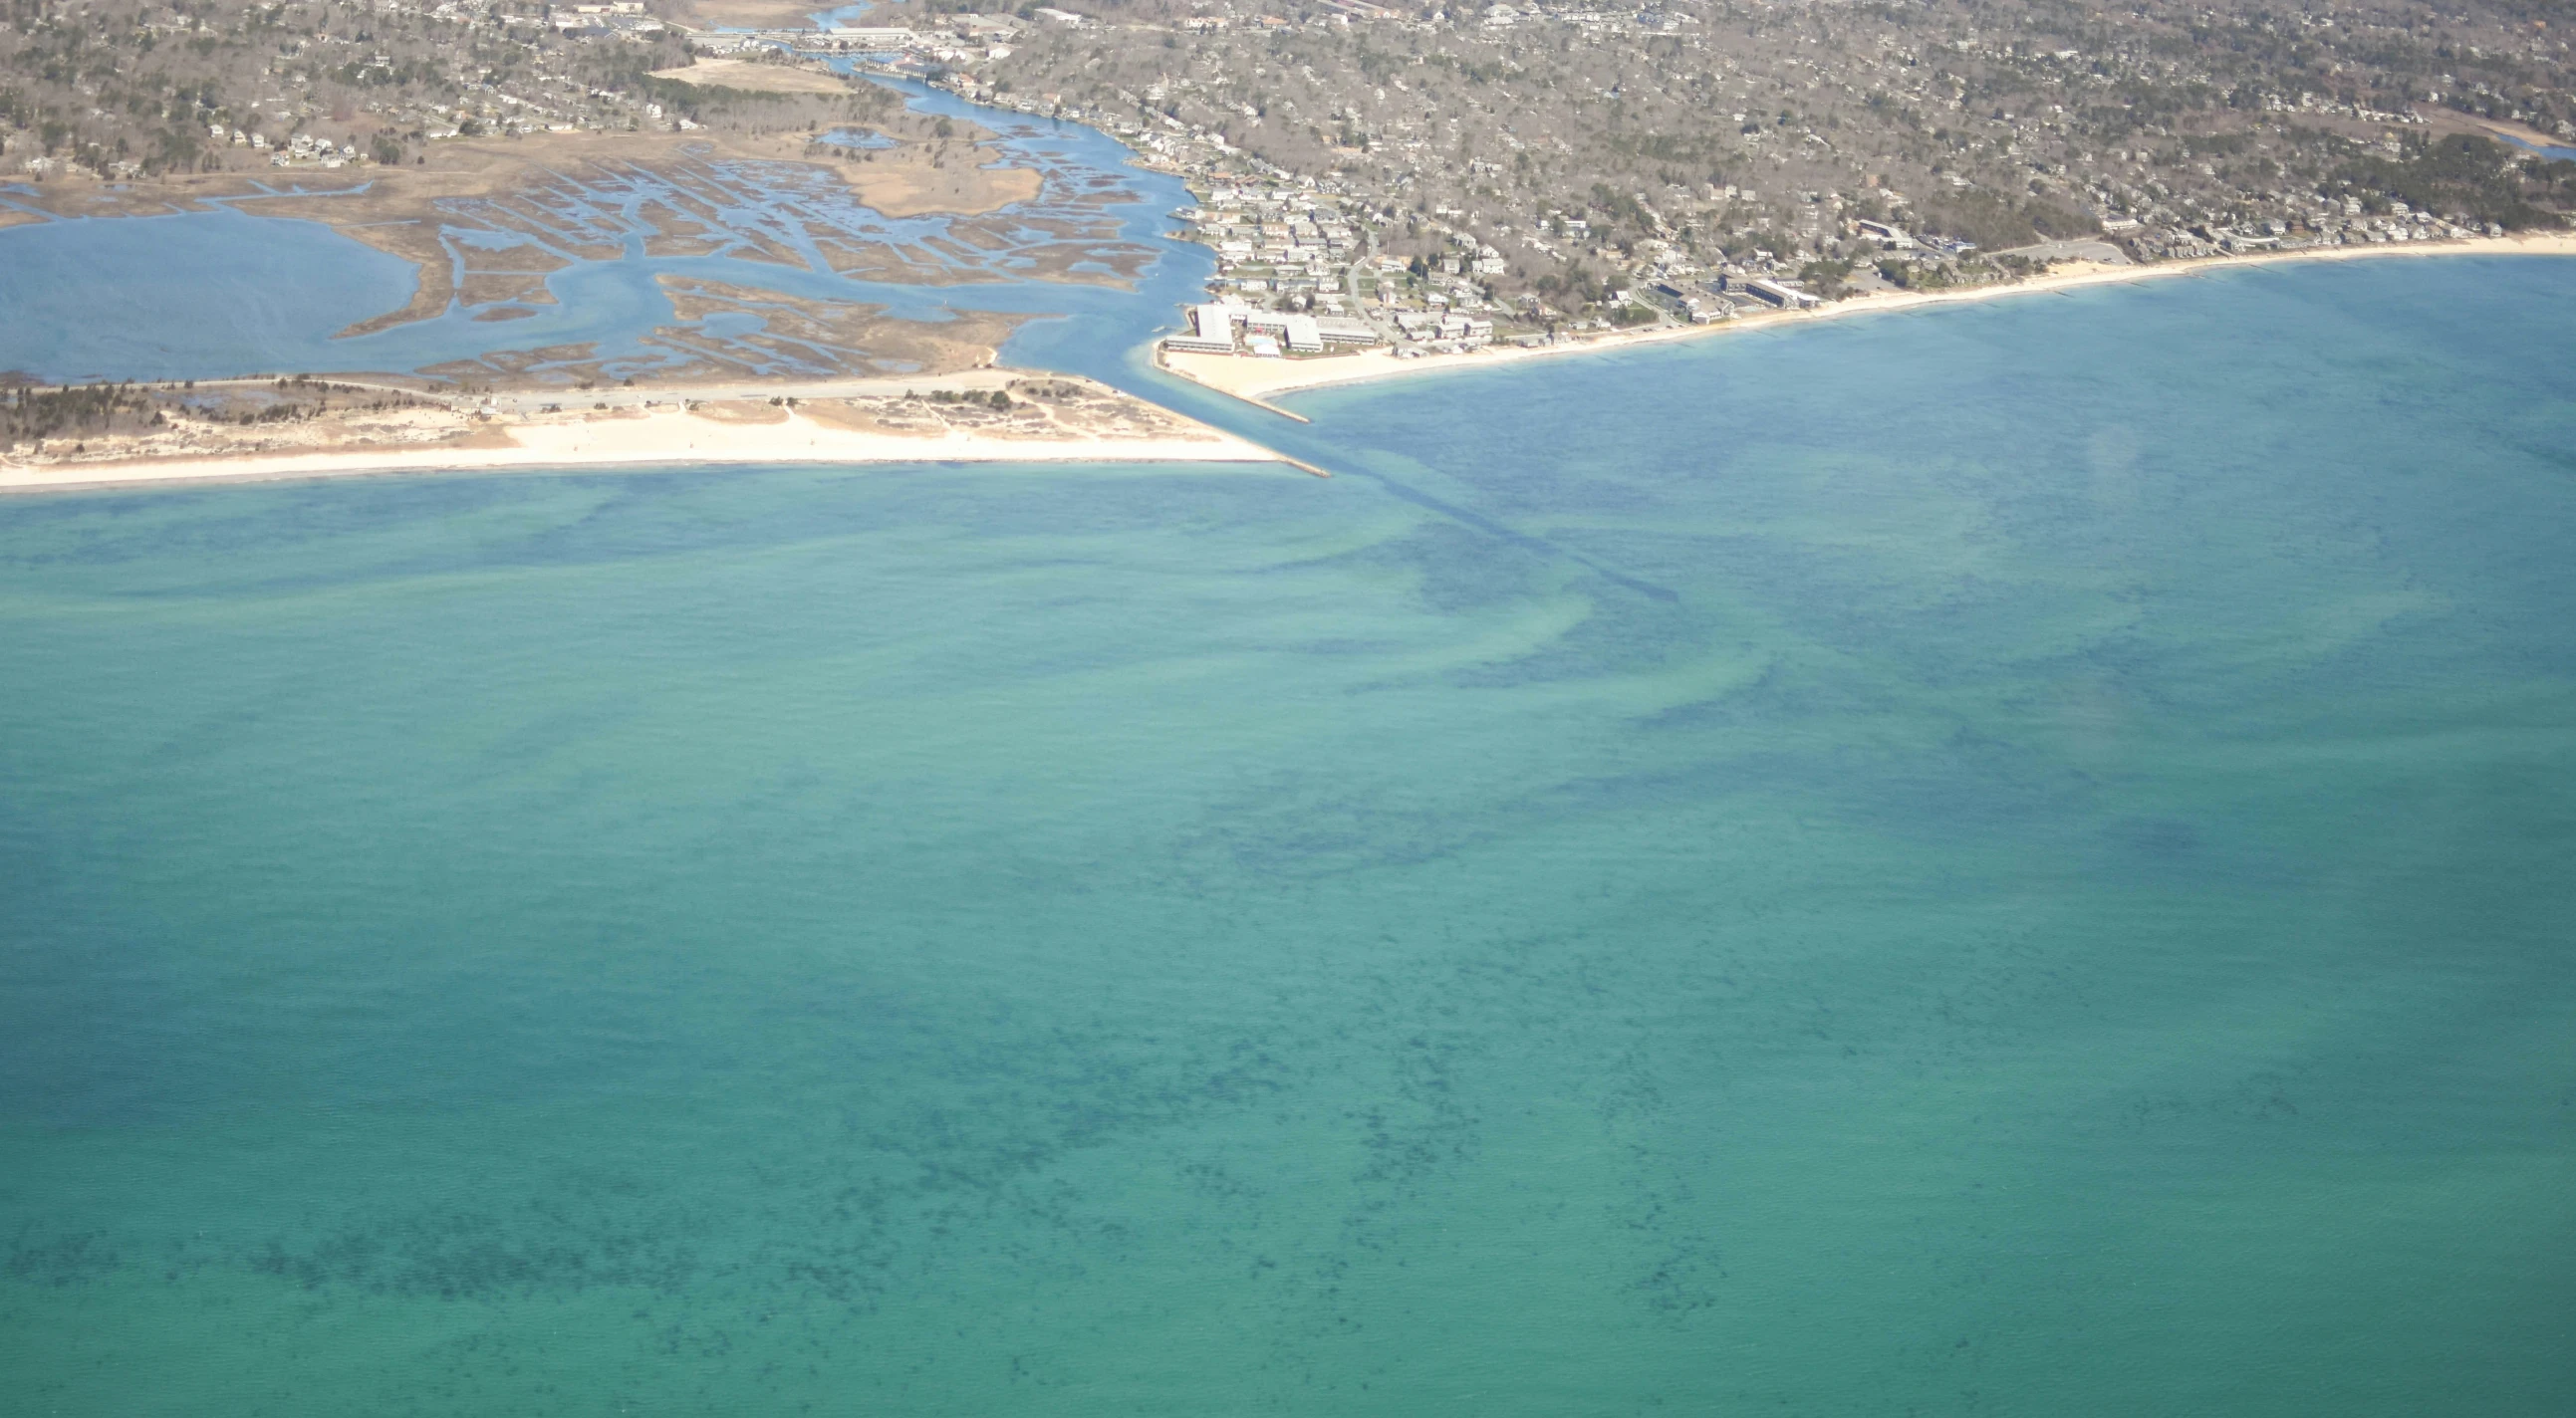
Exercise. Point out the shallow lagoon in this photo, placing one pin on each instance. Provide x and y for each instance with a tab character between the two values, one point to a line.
2000	860
229	293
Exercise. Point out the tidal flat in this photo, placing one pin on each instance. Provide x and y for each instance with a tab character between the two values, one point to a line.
553	262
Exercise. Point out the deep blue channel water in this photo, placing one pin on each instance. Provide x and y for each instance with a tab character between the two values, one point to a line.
2004	860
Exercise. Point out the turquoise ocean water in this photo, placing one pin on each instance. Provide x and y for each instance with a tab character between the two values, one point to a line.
2011	860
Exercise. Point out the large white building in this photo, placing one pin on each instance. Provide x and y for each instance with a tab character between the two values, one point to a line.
1211	329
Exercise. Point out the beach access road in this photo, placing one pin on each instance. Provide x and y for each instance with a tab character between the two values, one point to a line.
976	381
532	401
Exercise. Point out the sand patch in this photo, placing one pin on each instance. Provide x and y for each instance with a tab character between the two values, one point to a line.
753	14
738	411
945	176
856	416
755	78
914	189
2446	120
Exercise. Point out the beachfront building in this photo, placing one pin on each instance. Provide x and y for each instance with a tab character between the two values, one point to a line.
1211	330
1780	294
1343	330
1295	332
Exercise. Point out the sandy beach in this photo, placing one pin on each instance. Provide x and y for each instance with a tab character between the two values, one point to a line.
859	424
663	438
1255	380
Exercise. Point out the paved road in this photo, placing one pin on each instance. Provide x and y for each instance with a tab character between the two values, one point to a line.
618	397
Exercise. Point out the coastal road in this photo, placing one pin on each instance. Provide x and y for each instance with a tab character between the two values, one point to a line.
888	387
524	401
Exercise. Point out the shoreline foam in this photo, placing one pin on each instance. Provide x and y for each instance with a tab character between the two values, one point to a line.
1254	381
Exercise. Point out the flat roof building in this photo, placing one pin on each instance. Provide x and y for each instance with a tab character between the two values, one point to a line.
1786	297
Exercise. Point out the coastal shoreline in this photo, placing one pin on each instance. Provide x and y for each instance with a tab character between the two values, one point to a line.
677	435
667	438
1255	381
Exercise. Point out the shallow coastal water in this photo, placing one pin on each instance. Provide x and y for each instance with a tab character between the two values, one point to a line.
2000	860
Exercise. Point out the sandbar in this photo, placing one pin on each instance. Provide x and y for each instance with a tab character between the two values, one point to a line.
738	431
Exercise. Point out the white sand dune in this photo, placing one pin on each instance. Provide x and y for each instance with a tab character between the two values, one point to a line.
660	438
